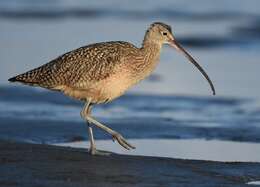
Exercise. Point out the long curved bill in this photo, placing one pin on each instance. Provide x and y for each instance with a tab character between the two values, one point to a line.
177	46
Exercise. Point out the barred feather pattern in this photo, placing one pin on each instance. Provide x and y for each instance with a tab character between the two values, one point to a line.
86	64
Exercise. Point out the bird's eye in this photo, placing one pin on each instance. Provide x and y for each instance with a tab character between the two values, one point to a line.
164	33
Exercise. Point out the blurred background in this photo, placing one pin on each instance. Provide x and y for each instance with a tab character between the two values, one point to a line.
175	103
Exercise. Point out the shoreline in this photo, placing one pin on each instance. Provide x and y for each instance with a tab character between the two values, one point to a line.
24	164
193	149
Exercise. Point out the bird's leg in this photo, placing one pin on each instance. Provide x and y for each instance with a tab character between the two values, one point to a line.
92	149
116	136
87	110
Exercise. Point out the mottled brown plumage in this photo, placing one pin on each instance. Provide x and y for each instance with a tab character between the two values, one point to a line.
101	72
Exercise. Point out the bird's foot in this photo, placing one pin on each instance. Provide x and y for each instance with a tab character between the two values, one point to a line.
122	141
94	151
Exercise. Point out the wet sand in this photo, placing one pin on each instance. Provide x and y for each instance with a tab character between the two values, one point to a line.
23	164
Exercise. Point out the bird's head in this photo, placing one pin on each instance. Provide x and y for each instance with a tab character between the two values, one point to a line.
161	33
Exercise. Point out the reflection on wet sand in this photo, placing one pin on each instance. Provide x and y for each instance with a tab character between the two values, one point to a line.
196	149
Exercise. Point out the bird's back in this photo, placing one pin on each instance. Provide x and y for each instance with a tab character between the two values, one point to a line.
79	67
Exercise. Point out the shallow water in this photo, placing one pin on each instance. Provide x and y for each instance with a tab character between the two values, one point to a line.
195	149
51	117
174	103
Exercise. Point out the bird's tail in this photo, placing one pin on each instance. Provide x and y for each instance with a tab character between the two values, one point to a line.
29	77
36	77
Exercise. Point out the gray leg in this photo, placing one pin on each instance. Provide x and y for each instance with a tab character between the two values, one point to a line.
91	140
92	149
115	135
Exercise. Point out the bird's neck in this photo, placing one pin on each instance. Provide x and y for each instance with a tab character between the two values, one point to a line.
151	51
147	61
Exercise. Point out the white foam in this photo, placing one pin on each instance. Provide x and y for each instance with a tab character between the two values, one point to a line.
254	183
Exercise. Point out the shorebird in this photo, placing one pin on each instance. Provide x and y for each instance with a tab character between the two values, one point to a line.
101	72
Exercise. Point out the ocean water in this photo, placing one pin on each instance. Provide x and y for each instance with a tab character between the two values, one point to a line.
175	103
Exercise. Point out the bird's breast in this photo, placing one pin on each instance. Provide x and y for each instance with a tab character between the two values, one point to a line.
118	83
115	86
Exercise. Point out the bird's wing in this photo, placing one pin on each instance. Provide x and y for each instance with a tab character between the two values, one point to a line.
87	64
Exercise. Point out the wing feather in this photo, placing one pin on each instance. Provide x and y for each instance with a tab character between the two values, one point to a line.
77	68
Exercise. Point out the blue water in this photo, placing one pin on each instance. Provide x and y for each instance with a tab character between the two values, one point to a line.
35	115
174	103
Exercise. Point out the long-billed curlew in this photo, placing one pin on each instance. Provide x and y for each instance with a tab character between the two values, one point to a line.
99	73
